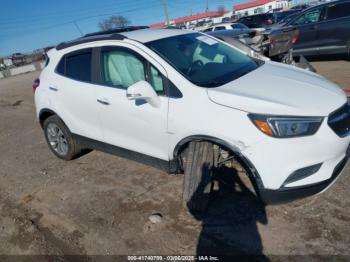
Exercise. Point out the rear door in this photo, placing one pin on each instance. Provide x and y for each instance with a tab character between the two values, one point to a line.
72	94
334	31
308	24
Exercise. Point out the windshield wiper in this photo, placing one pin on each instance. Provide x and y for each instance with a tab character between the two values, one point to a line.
210	83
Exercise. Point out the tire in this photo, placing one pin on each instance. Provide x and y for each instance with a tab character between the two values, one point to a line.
61	143
198	169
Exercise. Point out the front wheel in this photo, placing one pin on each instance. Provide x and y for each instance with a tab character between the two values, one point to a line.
60	139
199	160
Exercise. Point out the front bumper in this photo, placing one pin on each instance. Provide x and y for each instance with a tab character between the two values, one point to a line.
286	194
274	161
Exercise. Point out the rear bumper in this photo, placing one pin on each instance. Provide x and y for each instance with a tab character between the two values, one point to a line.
287	194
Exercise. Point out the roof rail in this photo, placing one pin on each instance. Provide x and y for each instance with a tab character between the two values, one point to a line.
118	30
88	39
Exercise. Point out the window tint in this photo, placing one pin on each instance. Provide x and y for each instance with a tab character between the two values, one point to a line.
157	80
219	28
312	16
121	69
338	10
60	66
78	66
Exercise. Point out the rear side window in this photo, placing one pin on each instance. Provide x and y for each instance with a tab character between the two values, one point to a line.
338	11
76	65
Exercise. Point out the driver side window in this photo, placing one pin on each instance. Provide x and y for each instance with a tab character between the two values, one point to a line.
312	16
121	69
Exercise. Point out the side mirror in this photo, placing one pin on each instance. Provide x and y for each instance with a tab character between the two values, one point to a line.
142	90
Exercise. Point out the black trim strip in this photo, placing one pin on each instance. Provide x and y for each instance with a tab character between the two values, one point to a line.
125	153
286	194
90	39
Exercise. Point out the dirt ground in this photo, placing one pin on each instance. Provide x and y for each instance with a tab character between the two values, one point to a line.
100	204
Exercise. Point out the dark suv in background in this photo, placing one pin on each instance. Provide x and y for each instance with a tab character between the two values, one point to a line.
265	20
323	29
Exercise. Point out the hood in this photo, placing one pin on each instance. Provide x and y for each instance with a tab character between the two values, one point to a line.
280	89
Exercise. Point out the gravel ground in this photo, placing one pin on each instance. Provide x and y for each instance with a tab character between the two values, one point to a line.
100	204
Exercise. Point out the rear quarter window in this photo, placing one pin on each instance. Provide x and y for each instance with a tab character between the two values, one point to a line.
60	66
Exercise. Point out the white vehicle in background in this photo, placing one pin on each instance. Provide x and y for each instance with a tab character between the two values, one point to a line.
190	103
8	62
226	26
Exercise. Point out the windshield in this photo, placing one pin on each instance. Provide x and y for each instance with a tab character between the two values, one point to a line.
203	60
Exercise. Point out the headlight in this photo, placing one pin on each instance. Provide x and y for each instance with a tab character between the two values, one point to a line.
281	127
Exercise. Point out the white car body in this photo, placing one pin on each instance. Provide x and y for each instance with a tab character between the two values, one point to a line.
226	26
219	114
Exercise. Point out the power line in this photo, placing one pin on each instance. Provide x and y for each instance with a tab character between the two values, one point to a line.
81	19
39	19
60	14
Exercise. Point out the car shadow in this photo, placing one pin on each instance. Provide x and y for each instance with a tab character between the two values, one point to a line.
229	225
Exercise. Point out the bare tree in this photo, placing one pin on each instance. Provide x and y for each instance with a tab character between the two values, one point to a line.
221	9
113	22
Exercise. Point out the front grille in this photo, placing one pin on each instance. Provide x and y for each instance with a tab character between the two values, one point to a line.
339	121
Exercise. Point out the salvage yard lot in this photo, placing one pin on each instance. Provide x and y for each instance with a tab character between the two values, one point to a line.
100	204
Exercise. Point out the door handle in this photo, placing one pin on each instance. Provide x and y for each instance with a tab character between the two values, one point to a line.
103	101
52	88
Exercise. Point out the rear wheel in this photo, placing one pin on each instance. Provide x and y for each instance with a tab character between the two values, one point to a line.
60	139
199	160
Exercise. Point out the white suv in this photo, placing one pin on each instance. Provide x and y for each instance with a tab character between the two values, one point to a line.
187	102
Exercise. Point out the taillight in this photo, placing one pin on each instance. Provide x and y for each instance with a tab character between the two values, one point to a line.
35	84
347	91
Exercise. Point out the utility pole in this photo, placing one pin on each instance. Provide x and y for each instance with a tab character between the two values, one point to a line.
207	6
165	8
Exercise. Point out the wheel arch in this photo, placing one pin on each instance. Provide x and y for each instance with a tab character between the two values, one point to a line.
46	113
244	161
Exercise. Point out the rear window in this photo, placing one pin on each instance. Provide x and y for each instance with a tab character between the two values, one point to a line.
76	65
338	11
217	28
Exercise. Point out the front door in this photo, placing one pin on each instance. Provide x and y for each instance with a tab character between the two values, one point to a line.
132	124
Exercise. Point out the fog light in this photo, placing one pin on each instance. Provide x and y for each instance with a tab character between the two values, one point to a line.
302	173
